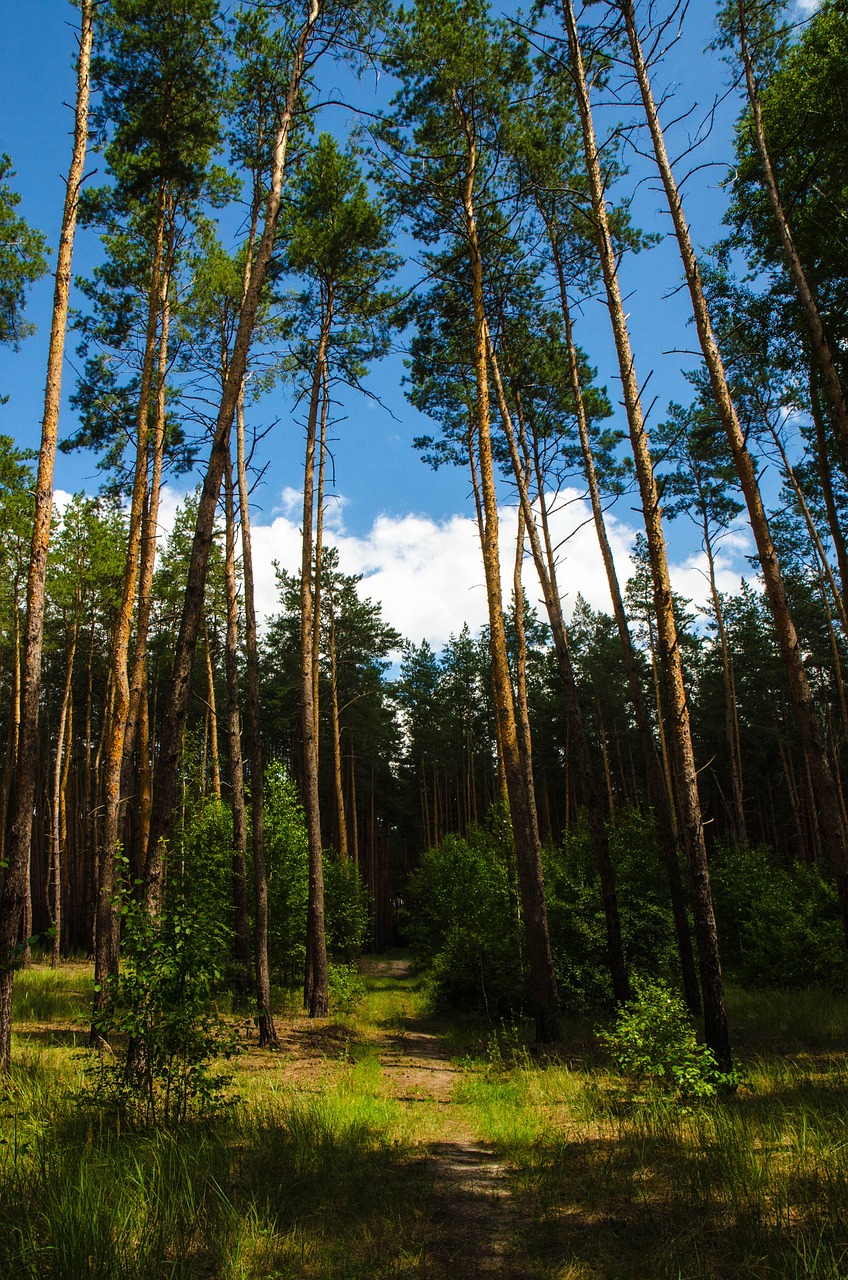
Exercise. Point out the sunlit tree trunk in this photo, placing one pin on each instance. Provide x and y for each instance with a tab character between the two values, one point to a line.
528	854
18	856
812	738
173	722
686	778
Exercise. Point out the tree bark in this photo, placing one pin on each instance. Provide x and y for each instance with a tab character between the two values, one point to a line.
812	739
237	802
316	979
821	346
14	885
528	853
170	748
715	1015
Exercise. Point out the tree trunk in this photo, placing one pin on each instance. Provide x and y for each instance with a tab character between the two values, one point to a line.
170	742
812	739
268	1038
528	853
14	885
341	819
106	957
315	990
659	793
821	345
237	803
56	817
715	1015
546	571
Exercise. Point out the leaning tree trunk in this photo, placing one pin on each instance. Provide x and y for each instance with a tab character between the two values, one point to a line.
106	954
821	346
591	795
654	777
812	738
685	772
170	741
14	885
528	853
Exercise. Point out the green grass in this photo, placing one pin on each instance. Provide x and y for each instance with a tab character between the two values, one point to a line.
322	1169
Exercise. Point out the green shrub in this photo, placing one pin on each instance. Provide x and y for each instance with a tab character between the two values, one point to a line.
654	1046
287	855
162	1026
465	922
779	926
347	990
345	908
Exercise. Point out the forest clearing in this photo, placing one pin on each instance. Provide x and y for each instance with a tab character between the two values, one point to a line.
388	1143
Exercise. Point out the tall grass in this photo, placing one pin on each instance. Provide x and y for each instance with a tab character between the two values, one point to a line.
326	1172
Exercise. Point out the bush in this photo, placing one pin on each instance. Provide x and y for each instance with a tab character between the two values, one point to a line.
347	990
287	852
161	1024
465	921
779	926
654	1046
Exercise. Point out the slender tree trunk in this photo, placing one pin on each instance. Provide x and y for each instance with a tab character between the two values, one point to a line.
315	991
729	694
268	1038
106	957
56	816
546	570
341	819
658	792
171	734
522	705
147	564
528	854
237	803
14	884
213	714
715	1015
812	739
823	463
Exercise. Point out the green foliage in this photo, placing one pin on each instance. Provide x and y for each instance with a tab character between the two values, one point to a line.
465	916
287	854
465	921
576	918
653	1045
345	908
162	1020
287	851
779	926
347	990
21	260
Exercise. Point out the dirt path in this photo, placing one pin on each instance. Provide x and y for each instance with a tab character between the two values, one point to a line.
475	1218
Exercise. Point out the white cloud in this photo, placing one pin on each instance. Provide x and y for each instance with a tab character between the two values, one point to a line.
427	574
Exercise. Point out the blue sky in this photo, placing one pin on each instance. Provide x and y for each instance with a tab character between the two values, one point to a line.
407	528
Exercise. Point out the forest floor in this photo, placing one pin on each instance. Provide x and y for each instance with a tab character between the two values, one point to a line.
386	1143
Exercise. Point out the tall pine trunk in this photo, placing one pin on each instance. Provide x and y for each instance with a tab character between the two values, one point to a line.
18	856
812	738
683	767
